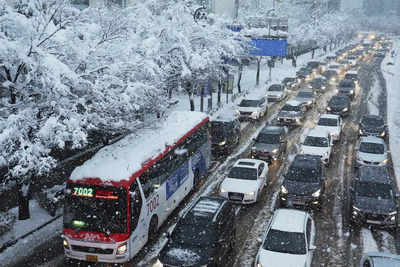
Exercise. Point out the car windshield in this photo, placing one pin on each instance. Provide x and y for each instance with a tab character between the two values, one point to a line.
243	173
327	122
275	88
316	141
330	73
291	108
95	209
374	190
193	232
372	148
350	76
288	80
268	138
305	94
334	67
338	100
346	84
285	242
372	121
303	174
249	103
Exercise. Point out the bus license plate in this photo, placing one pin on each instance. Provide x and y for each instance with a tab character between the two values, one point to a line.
92	258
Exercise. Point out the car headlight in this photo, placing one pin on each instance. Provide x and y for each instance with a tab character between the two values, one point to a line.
283	190
222	143
356	209
255	113
351	91
361	132
275	151
325	155
309	102
323	87
333	79
65	243
317	193
122	249
328	108
259	265
310	86
345	109
383	134
222	190
250	193
384	161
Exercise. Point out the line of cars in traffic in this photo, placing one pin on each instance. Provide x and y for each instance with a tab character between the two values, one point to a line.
205	234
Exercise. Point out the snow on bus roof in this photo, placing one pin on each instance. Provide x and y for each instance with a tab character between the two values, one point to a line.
120	160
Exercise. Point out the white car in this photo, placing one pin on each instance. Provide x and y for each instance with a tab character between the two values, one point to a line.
276	92
245	181
252	107
289	240
332	124
371	151
318	142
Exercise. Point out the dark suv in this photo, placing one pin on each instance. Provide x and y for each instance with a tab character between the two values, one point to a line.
304	182
347	87
339	105
373	198
372	125
204	236
225	134
270	143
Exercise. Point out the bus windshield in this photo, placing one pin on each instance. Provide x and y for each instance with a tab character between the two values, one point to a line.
95	209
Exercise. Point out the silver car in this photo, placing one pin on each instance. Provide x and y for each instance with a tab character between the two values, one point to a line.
379	259
371	151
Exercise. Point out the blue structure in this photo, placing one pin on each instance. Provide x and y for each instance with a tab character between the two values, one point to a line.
267	47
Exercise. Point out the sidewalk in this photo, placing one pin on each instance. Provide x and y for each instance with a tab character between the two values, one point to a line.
25	235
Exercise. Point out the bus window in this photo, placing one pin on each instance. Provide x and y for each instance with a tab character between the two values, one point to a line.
136	204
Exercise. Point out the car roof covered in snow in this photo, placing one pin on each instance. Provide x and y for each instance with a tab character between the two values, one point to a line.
119	161
289	220
372	139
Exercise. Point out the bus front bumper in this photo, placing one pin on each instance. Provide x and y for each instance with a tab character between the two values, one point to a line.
95	251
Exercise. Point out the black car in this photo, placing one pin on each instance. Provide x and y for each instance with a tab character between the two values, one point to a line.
304	182
373	198
340	105
331	75
304	73
289	83
292	113
204	236
347	87
319	84
270	143
225	134
372	125
352	76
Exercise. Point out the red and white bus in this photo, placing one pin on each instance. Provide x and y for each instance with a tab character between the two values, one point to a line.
116	201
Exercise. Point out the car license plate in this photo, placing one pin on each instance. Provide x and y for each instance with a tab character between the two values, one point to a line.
92	258
373	222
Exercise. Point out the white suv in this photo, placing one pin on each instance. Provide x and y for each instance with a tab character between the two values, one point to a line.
318	142
332	124
276	92
289	240
252	107
245	181
371	151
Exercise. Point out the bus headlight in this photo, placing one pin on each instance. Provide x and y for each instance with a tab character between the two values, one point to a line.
283	190
65	243
122	249
317	193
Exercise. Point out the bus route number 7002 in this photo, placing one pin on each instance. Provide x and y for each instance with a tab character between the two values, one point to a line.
153	204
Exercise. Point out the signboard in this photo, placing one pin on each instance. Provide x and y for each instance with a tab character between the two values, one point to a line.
266	47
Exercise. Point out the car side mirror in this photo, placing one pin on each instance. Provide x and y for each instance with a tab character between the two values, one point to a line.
312	247
397	195
259	240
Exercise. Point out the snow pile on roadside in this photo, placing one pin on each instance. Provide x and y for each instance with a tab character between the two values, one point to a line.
392	77
373	96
